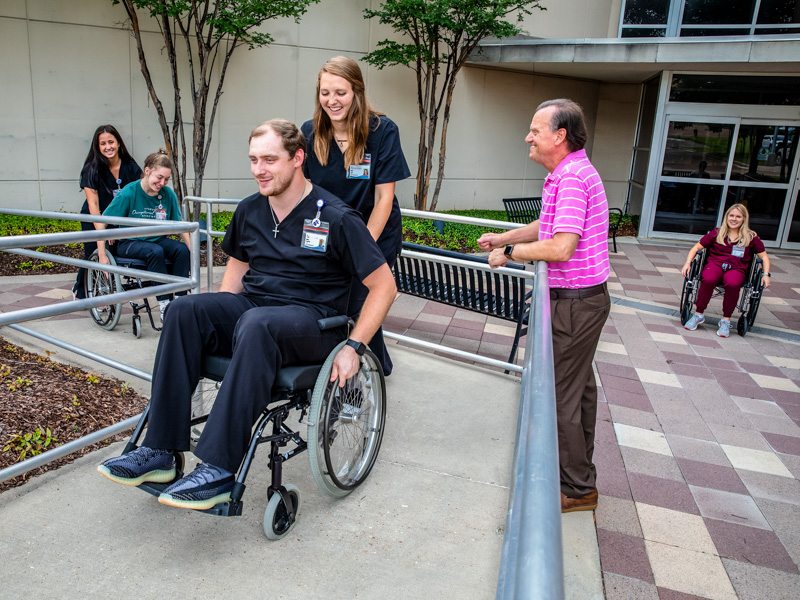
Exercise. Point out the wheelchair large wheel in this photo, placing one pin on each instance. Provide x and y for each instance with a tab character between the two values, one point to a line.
345	426
101	283
202	400
277	523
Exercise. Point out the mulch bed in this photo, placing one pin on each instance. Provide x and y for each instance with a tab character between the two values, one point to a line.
39	393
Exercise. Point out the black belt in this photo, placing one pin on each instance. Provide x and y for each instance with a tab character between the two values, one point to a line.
587	292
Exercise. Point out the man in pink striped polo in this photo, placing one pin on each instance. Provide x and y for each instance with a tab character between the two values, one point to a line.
571	235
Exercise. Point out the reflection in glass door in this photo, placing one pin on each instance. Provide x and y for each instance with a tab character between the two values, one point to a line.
707	167
693	176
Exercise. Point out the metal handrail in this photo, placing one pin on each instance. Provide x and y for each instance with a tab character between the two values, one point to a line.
532	562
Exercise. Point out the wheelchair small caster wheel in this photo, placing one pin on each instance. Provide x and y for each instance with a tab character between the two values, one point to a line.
277	523
137	326
742	325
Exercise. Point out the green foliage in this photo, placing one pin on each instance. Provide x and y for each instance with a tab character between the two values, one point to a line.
437	29
16	225
199	39
457	236
437	38
30	443
18	383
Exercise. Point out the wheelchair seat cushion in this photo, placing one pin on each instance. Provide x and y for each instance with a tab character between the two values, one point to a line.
289	379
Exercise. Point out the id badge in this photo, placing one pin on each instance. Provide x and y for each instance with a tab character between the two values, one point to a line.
360	171
738	251
315	235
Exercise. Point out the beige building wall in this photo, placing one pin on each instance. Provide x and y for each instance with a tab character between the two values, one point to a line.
68	67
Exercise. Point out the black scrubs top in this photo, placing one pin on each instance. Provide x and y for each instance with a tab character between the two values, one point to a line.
106	186
384	156
281	270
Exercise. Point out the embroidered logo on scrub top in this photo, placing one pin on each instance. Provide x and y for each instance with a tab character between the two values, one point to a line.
360	171
315	231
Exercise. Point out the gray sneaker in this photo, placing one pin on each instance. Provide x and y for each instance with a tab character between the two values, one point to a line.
724	328
696	320
140	465
201	489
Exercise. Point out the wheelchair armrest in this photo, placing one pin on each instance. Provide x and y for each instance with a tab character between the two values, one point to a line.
759	261
332	322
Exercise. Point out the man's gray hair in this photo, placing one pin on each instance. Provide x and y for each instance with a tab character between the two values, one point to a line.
568	116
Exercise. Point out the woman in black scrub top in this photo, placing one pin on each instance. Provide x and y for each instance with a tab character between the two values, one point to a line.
108	168
354	152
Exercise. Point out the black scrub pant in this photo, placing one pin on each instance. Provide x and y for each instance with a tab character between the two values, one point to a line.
88	249
260	337
576	324
155	254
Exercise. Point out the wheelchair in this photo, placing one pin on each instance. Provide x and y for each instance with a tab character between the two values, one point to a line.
749	299
101	283
344	432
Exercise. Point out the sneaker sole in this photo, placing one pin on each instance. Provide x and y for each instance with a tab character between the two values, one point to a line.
152	476
168	500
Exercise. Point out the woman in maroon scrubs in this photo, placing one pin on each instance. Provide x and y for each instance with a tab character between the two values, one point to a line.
730	248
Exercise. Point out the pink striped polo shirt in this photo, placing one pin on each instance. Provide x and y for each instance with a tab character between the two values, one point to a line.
574	201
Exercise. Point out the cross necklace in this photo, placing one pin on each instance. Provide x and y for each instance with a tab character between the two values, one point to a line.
275	231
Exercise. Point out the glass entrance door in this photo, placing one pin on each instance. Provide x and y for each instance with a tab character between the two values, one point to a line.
708	166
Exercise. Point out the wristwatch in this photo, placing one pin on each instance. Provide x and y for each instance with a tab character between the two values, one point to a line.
359	347
768	275
508	250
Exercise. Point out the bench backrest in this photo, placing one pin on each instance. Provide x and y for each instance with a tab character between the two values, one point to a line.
487	292
523	210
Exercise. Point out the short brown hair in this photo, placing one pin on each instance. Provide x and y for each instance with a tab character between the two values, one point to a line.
293	139
568	116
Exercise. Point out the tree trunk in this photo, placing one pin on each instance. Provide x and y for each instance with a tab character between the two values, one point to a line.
451	86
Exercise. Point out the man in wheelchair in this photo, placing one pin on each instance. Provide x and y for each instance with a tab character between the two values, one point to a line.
730	250
293	249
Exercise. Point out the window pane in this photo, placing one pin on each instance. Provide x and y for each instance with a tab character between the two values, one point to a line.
794	226
728	12
687	207
780	31
646	12
697	150
764	153
736	89
705	32
644	32
779	11
764	205
647	114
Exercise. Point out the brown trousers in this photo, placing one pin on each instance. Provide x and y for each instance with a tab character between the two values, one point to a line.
577	324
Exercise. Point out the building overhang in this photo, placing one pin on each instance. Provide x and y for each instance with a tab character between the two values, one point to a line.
636	60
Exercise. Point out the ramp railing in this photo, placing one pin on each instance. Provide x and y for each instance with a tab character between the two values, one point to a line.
137	228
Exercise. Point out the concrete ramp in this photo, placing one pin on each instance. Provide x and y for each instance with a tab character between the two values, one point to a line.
428	522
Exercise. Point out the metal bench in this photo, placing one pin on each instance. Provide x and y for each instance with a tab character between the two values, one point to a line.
522	210
484	291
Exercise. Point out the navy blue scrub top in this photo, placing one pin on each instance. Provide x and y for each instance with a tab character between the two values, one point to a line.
282	271
387	165
105	185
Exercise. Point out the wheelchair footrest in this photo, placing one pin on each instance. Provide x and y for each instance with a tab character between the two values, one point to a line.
233	508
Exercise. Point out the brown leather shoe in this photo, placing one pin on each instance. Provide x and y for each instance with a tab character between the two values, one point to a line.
587	502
